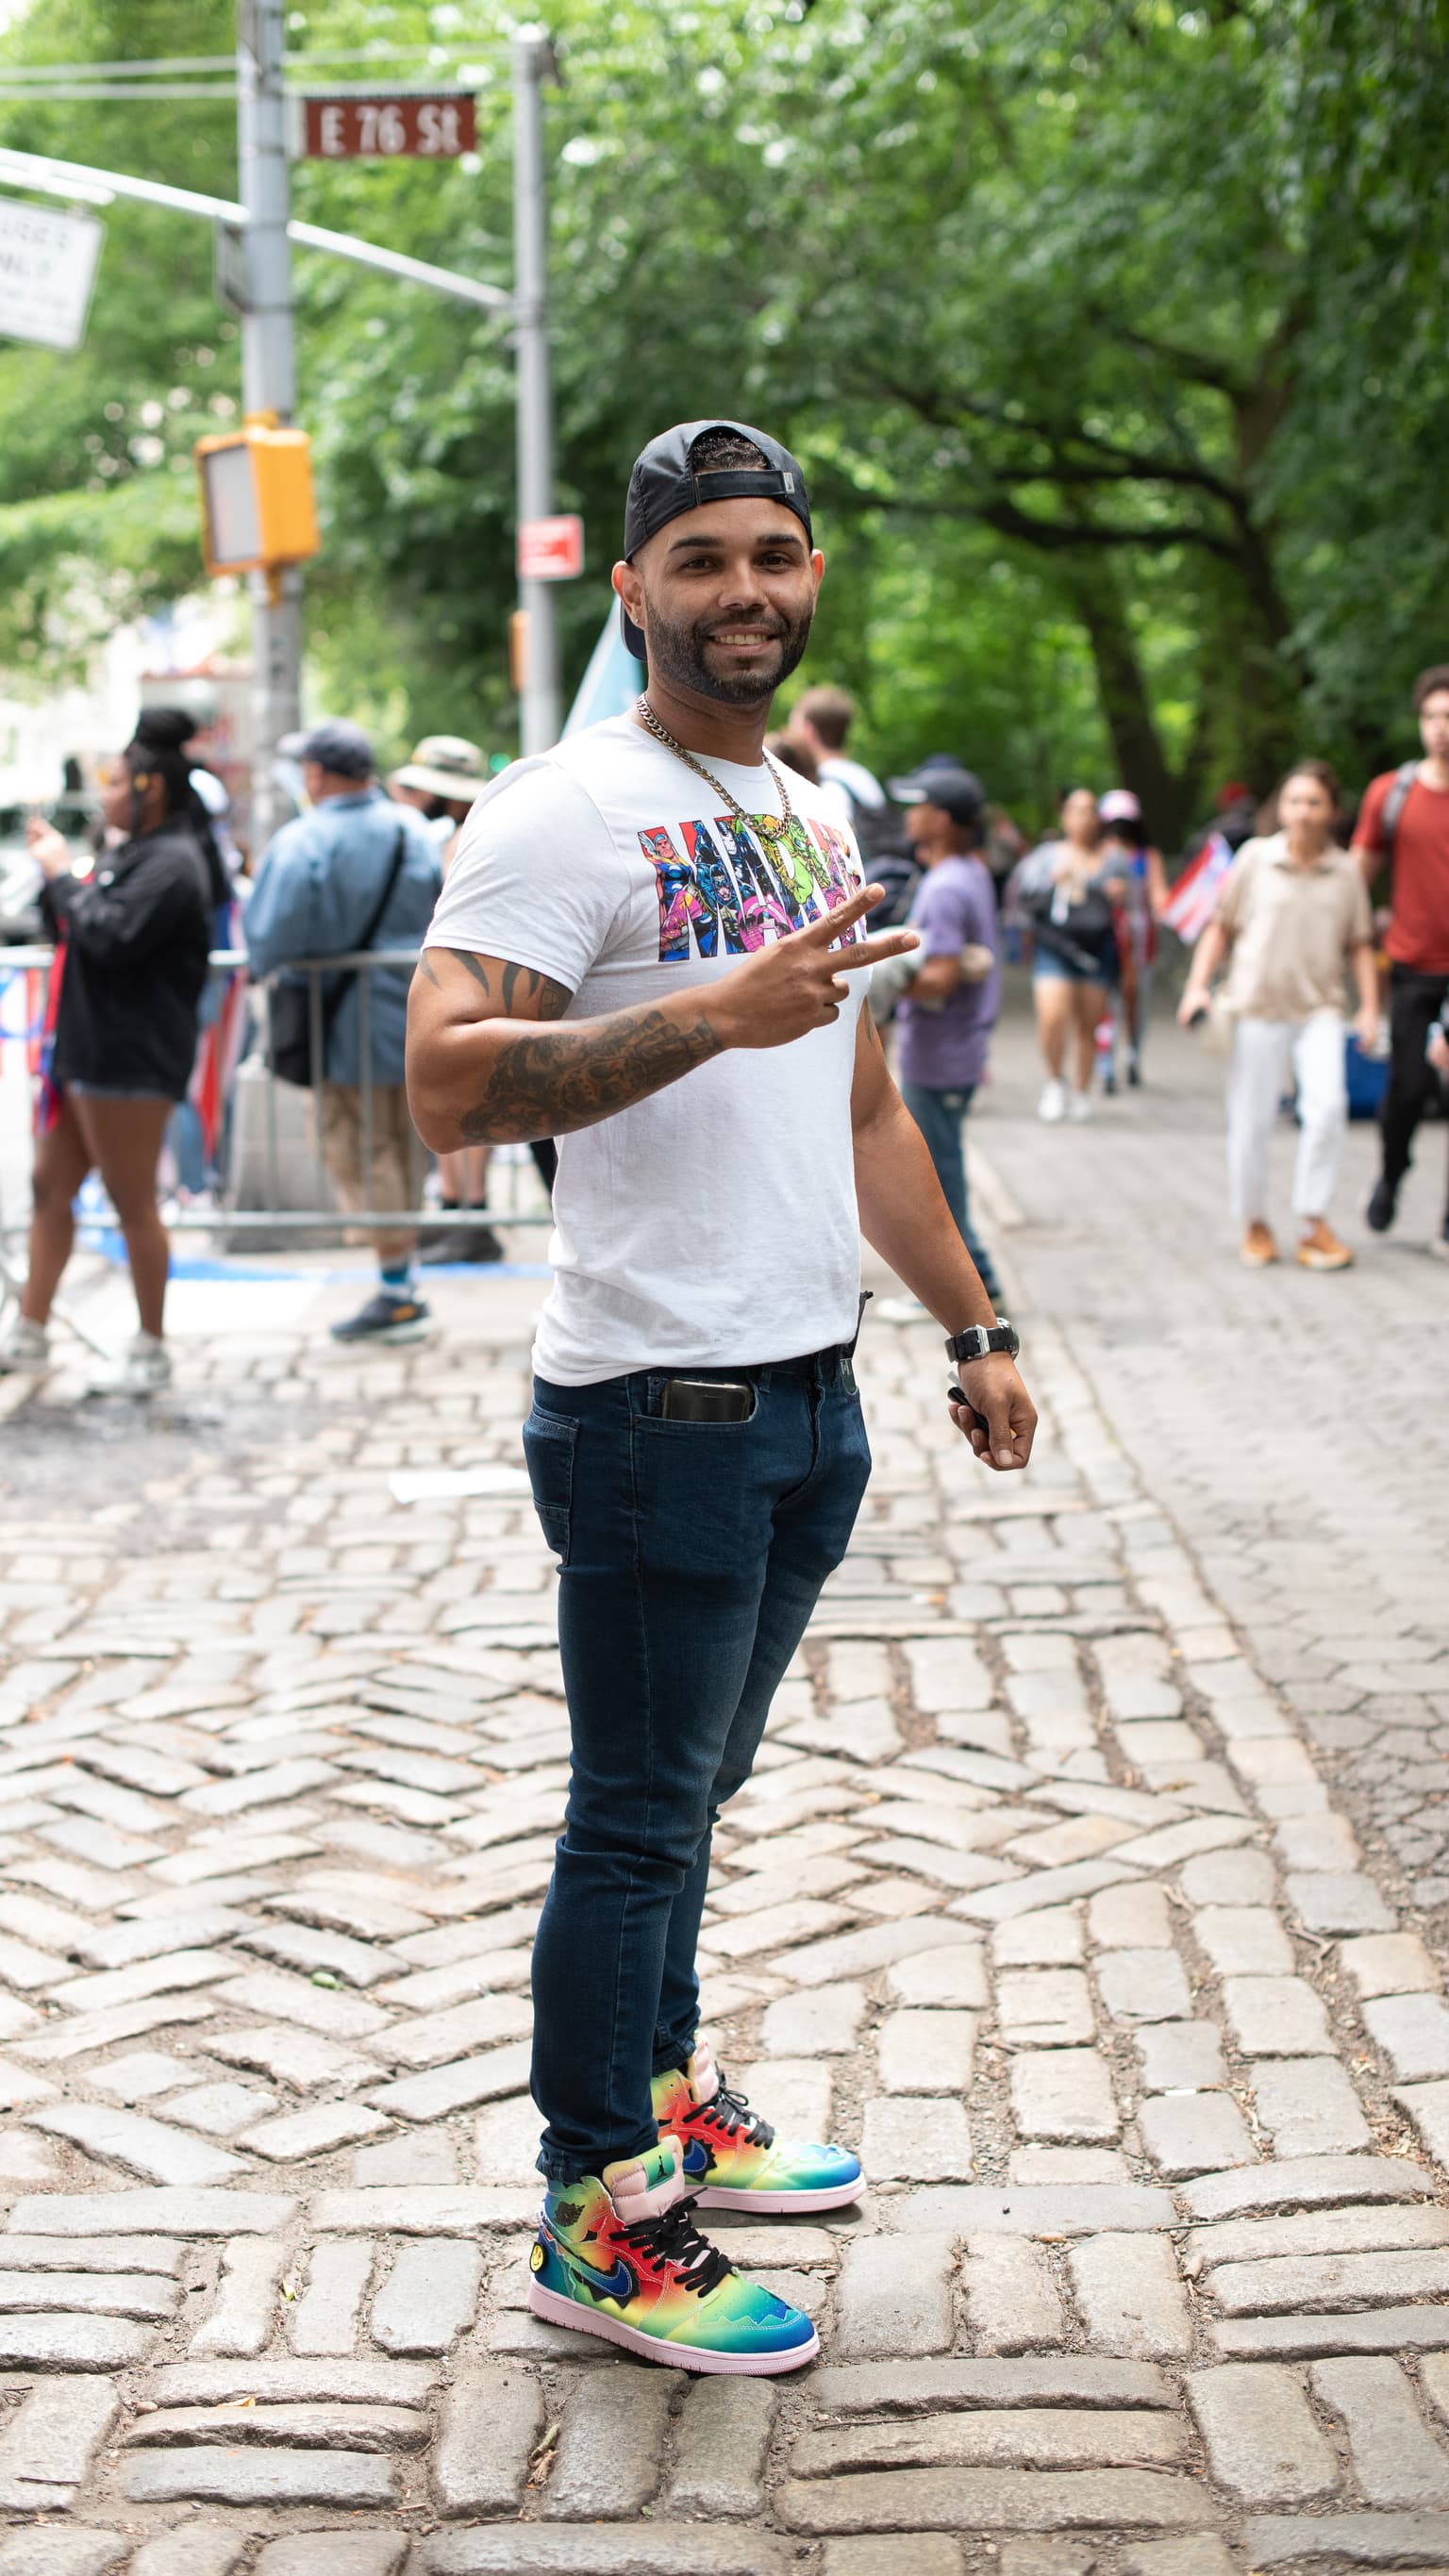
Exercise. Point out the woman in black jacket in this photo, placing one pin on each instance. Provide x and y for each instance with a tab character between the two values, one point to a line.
133	943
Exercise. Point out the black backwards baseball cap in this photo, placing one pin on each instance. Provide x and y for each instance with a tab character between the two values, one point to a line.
945	781
664	484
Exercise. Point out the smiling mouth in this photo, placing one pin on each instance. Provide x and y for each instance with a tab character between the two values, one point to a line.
750	637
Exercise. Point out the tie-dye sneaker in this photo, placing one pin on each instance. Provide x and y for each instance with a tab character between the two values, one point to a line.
733	2159
622	2257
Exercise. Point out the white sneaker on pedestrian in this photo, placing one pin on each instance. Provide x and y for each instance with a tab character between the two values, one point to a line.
143	1368
1079	1105
24	1348
1053	1102
903	1310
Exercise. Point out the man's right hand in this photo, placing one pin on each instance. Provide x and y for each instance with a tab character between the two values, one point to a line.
795	985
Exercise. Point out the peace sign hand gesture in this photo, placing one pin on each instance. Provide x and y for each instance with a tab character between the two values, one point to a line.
784	991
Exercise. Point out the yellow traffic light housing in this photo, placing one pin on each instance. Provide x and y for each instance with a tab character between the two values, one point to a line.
258	508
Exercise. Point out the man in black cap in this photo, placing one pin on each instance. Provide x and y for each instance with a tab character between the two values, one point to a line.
648	947
950	1005
355	871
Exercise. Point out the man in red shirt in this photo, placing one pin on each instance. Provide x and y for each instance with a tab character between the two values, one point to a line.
1405	816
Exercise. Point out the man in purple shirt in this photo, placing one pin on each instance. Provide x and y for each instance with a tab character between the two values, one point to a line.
951	1004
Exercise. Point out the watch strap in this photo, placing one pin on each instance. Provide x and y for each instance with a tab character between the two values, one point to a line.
980	1340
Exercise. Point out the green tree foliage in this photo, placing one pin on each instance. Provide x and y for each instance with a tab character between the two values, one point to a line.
1108	330
97	490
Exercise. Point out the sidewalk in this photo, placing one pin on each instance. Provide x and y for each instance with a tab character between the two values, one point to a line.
1047	1892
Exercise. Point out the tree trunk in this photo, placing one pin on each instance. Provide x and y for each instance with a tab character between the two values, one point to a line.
1126	709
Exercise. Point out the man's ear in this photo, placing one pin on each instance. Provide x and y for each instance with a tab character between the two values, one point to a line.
630	589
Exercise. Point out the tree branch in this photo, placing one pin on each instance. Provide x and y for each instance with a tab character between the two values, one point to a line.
1058	437
1190	364
996	510
1057	536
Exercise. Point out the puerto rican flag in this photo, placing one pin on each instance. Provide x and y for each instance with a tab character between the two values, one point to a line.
1194	898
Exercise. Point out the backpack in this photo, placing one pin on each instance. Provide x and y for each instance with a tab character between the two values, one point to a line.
887	857
1394	803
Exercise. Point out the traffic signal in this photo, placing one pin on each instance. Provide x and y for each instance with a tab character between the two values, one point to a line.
258	508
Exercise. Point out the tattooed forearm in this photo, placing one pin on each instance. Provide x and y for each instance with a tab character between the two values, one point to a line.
482	1071
549	1086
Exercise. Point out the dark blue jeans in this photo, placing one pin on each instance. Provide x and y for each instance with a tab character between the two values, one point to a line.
692	1555
940	1116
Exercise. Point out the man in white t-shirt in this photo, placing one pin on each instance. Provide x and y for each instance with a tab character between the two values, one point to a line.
822	717
649	947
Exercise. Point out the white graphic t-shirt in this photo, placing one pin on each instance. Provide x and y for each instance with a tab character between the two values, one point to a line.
715	1223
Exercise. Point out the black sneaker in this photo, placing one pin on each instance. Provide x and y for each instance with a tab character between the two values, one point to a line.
462	1243
1379	1214
390	1316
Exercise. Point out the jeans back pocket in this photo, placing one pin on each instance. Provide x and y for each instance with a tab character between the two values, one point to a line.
549	1442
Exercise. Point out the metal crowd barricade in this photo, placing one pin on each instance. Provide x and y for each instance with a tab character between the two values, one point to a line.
270	1132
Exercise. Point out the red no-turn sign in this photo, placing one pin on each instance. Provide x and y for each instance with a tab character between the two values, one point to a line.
551	549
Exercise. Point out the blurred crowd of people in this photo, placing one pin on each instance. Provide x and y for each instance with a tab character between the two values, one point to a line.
1310	995
1313	999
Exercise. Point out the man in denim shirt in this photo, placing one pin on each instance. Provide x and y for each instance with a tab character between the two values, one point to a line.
316	891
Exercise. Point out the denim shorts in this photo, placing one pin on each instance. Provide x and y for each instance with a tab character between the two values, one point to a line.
1060	970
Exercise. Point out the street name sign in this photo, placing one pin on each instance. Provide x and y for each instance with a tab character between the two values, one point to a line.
47	270
353	125
551	549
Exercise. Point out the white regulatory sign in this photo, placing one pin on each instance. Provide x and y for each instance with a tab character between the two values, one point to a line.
47	270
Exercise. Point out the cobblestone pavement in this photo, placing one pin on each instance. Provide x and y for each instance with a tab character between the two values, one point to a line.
1046	1892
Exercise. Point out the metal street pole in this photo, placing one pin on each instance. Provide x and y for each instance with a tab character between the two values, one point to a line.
269	377
533	63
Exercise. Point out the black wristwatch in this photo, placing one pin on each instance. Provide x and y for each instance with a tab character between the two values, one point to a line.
979	1341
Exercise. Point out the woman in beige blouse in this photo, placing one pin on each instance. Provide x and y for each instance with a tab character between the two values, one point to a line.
1293	913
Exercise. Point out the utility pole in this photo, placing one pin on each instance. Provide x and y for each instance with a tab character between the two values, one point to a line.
533	63
269	375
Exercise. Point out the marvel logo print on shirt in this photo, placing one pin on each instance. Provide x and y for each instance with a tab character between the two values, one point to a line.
743	883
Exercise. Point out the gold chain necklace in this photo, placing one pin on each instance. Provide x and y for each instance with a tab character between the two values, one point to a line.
662	734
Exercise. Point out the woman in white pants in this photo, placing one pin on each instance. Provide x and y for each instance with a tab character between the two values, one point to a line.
1293	913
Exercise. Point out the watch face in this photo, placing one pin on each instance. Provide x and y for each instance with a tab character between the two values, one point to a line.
1013	1341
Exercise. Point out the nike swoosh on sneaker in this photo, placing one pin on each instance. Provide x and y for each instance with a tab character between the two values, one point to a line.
618	2284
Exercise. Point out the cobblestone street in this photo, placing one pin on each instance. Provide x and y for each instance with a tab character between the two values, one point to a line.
1093	1882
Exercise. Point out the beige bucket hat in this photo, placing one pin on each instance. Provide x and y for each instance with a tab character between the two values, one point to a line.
444	765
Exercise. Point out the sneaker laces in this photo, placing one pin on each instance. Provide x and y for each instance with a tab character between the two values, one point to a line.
673	2238
732	2110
